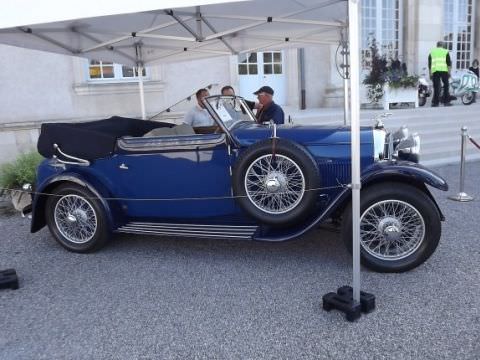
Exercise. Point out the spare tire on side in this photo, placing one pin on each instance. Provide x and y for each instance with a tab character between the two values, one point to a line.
276	183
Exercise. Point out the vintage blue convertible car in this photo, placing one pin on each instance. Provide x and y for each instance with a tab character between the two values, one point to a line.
235	180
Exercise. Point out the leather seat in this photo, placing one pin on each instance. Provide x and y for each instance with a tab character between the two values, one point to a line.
182	129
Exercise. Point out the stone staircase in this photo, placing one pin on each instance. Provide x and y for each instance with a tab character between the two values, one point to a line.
439	128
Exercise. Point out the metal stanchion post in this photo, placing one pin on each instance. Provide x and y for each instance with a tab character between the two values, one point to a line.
462	195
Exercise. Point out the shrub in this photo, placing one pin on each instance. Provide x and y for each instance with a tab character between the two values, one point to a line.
378	67
20	171
383	71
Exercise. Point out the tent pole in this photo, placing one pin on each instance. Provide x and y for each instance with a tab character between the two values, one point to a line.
198	18
142	92
346	75
139	61
346	109
353	22
349	299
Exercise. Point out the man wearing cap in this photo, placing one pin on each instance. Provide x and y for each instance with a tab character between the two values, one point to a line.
269	110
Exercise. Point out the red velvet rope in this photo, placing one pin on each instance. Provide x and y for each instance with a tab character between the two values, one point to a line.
474	142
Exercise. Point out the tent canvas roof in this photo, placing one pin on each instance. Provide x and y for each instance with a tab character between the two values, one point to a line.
151	35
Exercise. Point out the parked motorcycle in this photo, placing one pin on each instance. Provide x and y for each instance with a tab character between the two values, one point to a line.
424	91
463	84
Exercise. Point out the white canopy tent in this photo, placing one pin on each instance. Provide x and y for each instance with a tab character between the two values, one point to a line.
173	33
149	32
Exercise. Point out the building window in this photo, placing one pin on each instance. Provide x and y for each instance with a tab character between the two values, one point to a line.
457	31
272	63
381	21
254	63
102	70
247	64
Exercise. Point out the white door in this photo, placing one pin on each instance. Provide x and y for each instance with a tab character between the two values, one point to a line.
263	68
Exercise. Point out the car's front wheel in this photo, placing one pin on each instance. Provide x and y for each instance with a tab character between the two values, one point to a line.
76	218
400	227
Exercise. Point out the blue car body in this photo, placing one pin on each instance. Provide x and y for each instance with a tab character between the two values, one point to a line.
182	185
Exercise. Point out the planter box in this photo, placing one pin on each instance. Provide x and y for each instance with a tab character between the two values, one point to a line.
399	95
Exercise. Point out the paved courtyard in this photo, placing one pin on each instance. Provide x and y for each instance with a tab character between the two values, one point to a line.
161	298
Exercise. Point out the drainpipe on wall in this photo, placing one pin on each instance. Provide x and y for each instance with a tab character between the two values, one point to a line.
476	33
301	74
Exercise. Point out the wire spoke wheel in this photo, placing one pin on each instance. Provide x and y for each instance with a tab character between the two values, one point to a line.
391	230
274	184
468	97
75	218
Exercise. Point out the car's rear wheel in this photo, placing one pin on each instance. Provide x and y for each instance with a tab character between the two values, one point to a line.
276	183
400	227
76	218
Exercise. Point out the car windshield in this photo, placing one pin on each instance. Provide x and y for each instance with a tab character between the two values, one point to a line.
230	110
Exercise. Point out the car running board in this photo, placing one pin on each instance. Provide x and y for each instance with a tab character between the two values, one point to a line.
190	230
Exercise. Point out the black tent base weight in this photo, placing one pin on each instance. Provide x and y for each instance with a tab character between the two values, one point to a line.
8	279
343	300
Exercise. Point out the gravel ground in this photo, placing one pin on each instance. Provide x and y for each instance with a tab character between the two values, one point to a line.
161	298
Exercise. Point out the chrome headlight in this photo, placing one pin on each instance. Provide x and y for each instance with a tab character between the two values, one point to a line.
396	145
409	148
400	134
404	146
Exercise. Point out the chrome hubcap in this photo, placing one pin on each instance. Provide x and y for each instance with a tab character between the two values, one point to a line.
75	218
391	230
275	182
274	185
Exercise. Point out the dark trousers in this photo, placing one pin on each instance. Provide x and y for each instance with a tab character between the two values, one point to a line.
438	77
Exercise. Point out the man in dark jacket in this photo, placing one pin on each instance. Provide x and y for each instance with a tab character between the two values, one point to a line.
269	110
439	66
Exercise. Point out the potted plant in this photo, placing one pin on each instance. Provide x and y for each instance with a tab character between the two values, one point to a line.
15	174
389	80
375	80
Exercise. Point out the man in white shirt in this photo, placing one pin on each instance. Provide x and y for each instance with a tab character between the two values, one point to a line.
199	116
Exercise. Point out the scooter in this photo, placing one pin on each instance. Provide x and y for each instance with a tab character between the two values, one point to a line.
424	91
463	84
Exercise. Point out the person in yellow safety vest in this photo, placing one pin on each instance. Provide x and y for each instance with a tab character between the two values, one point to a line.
439	65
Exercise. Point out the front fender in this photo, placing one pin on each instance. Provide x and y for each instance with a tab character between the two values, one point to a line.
405	171
44	189
401	171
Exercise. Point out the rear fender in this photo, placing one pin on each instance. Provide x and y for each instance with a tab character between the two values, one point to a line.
48	186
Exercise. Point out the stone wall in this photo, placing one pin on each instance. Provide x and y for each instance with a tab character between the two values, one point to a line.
17	139
39	86
429	25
